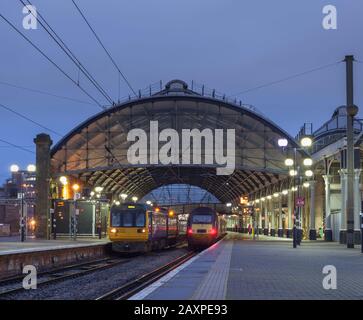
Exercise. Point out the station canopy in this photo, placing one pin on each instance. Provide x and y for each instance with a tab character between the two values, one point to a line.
96	151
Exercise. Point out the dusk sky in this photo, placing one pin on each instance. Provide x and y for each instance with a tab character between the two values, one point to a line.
229	45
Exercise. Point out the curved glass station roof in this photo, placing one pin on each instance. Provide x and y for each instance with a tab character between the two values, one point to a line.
96	151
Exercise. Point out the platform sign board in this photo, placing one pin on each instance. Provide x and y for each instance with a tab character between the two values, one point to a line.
300	201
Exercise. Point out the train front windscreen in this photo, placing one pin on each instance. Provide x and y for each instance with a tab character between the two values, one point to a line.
202	219
130	216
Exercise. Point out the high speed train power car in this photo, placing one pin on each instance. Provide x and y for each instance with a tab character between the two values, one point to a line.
141	228
204	227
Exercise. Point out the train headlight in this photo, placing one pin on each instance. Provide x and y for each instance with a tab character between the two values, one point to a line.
143	230
113	230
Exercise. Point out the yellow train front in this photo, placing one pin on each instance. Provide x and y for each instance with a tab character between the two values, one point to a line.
141	228
205	226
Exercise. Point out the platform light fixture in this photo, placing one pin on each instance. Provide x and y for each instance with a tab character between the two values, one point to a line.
276	195
306	184
14	168
123	196
263	199
228	204
289	162
148	203
292	172
75	187
306	142
282	142
92	193
309	173
99	189
31	168
269	197
63	180
308	162
257	200
285	192
134	198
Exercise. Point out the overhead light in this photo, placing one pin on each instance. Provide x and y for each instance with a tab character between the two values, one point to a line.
63	180
309	173
148	202
306	184
31	168
98	189
263	199
117	203
75	187
282	142
276	194
285	192
257	200
289	162
92	193
294	189
134	199
292	173
269	197
308	162
123	196
228	204
306	142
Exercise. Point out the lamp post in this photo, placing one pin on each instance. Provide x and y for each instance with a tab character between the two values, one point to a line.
15	169
295	173
352	110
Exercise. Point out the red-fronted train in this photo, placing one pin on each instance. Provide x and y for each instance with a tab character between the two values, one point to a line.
205	226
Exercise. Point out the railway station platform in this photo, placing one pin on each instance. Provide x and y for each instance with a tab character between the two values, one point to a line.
46	254
240	268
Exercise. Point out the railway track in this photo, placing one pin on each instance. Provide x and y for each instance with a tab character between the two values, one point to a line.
130	288
14	284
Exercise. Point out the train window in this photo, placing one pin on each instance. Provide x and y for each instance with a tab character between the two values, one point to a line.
127	218
115	219
140	219
202	218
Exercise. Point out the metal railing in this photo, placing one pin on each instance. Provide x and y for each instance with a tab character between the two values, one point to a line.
199	89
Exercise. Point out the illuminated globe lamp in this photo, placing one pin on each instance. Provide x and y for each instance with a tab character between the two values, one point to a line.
14	168
134	199
306	142
64	182
282	142
123	196
289	162
31	168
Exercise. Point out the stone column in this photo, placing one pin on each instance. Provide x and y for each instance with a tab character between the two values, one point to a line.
260	219
289	214
265	230
273	226
280	232
328	231
357	206
343	216
42	204
312	231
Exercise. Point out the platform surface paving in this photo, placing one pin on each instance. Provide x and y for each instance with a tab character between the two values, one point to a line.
11	245
240	268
